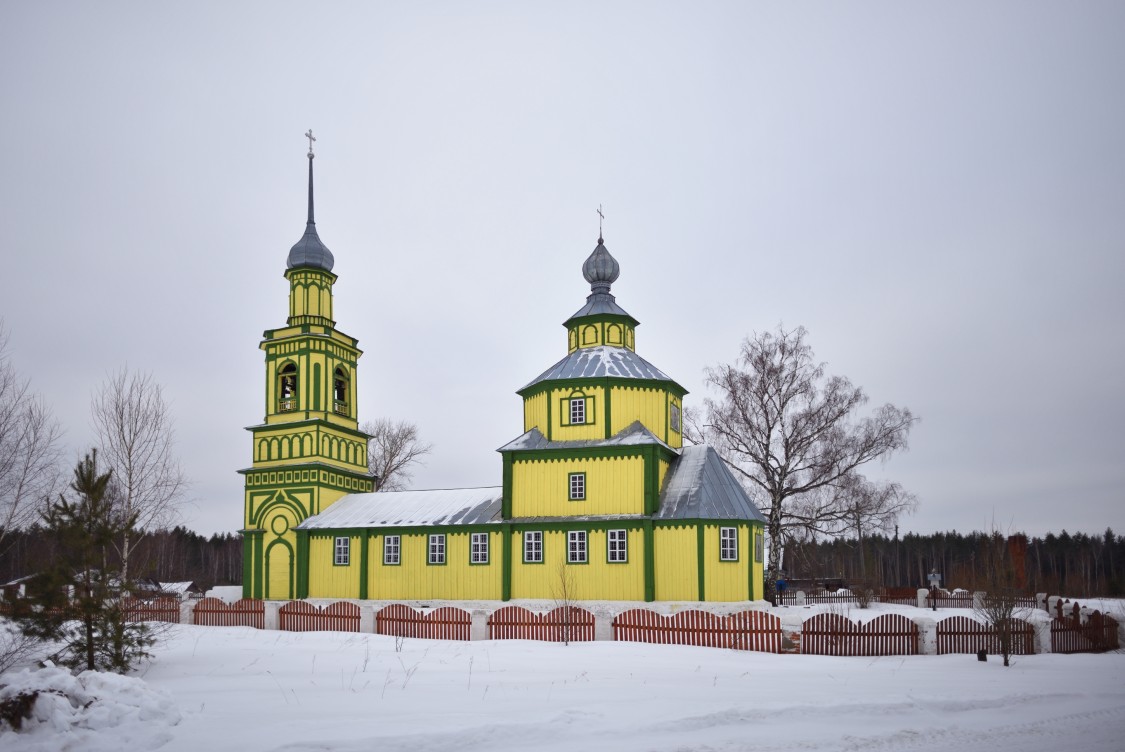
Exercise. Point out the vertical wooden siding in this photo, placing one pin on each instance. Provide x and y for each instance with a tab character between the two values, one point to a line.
212	612
746	630
562	624
445	623
302	616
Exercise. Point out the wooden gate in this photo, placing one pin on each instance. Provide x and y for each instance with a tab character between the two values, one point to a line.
562	624
159	609
212	612
960	634
302	616
445	623
746	630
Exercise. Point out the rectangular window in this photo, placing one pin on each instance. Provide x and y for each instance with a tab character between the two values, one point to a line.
577	486
616	547
478	548
391	549
758	546
533	547
437	549
577	411
343	549
728	544
576	547
674	417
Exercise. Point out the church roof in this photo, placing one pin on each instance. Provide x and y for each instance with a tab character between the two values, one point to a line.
604	360
700	486
448	506
634	434
599	303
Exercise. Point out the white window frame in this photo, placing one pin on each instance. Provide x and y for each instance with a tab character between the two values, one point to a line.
728	544
342	551
478	548
577	411
533	546
577	482
617	546
436	551
577	548
392	550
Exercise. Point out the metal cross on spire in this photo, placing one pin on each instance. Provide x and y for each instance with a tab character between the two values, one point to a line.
311	138
601	217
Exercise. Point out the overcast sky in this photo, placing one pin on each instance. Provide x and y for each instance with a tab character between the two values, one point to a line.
936	191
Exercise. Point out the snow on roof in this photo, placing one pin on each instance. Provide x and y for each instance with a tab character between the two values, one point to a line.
635	434
700	486
180	588
593	362
449	506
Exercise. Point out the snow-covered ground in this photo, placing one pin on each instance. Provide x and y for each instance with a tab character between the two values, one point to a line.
215	688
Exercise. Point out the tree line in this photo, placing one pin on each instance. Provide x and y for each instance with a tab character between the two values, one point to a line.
1071	564
169	555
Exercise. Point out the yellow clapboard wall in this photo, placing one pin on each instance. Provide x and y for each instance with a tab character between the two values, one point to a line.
614	485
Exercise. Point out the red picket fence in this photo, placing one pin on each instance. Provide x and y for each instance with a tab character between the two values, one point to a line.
212	612
945	600
302	616
746	630
562	624
445	623
960	634
833	634
159	609
1097	635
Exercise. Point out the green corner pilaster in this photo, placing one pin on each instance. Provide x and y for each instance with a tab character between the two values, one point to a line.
248	537
259	564
506	500
650	561
302	564
506	564
700	547
364	540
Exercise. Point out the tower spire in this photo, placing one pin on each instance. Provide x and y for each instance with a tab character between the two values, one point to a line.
600	218
309	135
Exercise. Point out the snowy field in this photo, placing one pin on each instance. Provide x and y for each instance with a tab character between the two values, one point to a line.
217	688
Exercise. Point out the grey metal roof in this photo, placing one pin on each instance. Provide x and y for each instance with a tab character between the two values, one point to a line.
699	486
601	269
600	303
604	360
309	250
635	434
449	506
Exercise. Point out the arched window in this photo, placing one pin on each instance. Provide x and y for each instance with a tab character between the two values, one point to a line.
340	391
287	388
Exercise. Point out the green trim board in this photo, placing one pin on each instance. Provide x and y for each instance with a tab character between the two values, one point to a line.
700	549
611	381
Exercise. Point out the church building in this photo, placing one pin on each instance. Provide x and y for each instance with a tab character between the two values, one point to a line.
599	495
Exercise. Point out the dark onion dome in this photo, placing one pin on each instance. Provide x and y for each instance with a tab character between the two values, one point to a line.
309	250
601	269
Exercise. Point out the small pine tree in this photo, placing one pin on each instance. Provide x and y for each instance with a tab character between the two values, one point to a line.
77	599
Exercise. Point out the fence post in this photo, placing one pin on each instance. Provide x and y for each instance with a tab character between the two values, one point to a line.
1052	604
799	599
1042	637
187	611
603	625
272	618
922	594
927	634
792	624
478	628
978	599
367	618
1041	602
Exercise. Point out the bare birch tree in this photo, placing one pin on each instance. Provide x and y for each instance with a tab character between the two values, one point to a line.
791	431
138	443
29	448
395	448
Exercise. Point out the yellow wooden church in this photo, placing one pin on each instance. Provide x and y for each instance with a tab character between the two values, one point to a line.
599	492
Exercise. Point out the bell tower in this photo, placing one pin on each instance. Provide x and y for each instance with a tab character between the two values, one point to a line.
308	451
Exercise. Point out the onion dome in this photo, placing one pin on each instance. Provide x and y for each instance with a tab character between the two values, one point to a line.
309	250
601	269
